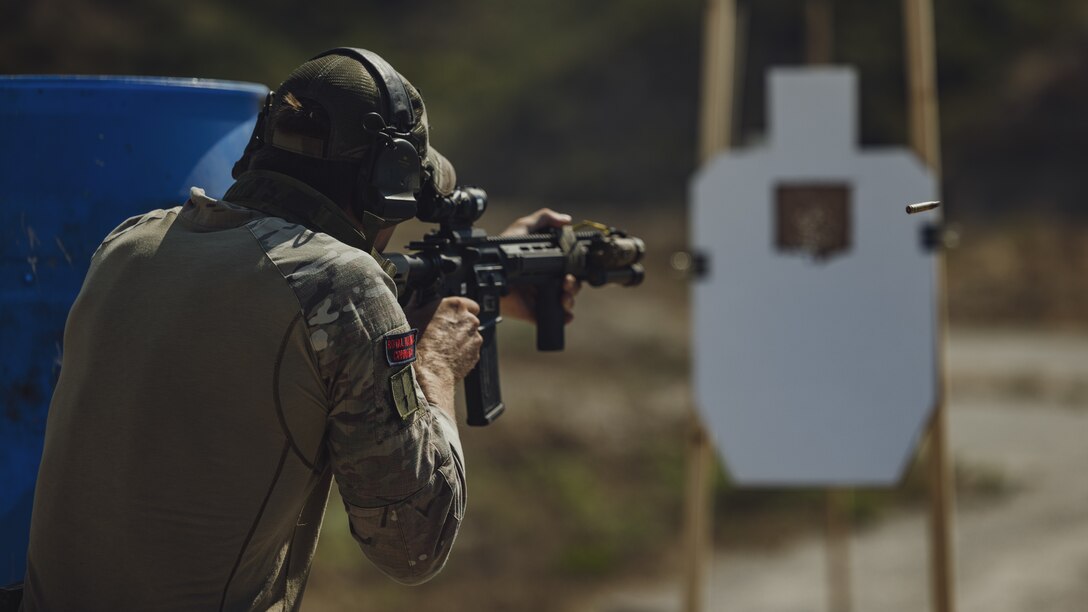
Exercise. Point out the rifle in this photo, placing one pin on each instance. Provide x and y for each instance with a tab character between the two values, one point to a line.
458	259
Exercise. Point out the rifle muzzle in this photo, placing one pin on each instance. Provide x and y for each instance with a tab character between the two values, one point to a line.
615	260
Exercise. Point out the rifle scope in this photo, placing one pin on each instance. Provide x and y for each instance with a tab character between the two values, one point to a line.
458	209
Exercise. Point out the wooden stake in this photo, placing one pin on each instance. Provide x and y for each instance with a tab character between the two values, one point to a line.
716	121
697	515
942	504
837	529
925	140
819	41
922	80
719	49
819	32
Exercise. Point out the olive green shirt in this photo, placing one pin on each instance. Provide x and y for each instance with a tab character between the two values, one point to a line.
219	366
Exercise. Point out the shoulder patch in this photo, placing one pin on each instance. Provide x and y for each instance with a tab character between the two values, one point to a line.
400	349
403	386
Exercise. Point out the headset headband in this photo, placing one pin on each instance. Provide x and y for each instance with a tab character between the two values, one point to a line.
392	171
398	104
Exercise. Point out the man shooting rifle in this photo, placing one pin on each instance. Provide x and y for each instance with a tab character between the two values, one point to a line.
226	358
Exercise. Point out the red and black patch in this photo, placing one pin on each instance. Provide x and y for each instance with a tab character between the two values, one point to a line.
400	349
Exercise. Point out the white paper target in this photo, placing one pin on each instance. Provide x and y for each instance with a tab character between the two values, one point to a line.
814	326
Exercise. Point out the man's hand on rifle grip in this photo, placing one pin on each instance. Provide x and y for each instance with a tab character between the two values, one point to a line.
448	345
520	303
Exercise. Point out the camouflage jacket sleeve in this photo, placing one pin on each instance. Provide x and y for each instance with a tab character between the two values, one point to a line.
397	459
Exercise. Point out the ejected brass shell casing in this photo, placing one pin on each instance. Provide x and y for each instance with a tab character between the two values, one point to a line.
921	207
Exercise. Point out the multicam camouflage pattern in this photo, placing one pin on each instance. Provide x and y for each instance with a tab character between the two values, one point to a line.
401	478
220	364
398	476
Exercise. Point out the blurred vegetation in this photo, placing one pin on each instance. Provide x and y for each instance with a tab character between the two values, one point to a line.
597	101
1027	272
591	107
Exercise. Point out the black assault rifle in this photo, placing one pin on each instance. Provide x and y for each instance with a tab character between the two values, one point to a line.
460	260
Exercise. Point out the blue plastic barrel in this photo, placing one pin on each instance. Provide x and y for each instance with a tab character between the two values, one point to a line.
78	155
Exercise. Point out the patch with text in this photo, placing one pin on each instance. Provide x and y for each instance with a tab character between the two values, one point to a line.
400	349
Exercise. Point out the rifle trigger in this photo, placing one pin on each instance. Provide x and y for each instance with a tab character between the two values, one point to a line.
489	324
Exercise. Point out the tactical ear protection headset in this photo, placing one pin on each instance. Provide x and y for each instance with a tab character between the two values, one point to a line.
391	170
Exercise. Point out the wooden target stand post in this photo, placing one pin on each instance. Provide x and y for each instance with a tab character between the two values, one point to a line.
720	66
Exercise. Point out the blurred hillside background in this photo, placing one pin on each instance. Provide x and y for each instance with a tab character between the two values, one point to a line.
590	108
573	102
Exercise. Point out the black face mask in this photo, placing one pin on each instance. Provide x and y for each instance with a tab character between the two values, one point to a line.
284	196
334	179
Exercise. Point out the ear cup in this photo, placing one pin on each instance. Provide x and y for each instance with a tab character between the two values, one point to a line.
394	179
392	172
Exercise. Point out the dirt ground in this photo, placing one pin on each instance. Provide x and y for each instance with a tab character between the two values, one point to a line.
1019	413
575	499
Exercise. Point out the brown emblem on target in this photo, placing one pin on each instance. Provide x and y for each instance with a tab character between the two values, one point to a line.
813	218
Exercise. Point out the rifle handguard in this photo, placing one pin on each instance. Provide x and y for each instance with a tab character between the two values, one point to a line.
462	260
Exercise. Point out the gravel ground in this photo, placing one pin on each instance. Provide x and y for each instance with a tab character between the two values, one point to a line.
1018	411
